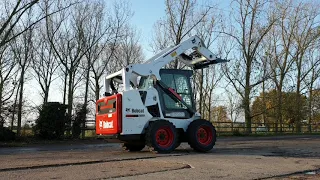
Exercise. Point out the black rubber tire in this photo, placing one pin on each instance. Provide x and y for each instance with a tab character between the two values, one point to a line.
193	139
151	136
133	147
178	138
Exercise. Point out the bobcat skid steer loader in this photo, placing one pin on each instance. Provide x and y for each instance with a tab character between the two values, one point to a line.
145	104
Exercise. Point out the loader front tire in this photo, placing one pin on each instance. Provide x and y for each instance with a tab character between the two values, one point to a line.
161	136
201	135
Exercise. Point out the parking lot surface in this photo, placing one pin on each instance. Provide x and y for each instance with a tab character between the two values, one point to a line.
282	157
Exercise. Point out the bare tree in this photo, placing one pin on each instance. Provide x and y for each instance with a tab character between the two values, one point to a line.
179	23
66	38
255	22
123	51
98	67
44	64
129	50
183	19
14	108
281	50
10	18
8	79
104	60
15	22
78	36
233	108
14	13
211	79
306	34
206	31
22	48
54	25
311	79
95	32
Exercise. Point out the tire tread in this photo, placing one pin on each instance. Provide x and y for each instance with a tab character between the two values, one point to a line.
192	140
150	134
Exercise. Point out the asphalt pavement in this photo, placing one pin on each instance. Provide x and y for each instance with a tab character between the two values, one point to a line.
280	157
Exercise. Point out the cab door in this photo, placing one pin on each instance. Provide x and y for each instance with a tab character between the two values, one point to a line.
179	81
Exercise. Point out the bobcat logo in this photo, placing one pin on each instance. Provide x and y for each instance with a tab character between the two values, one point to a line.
107	125
137	110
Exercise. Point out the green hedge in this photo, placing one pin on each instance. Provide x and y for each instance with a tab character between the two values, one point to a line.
6	134
51	121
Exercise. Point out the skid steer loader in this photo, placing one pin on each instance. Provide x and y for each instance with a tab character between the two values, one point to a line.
146	104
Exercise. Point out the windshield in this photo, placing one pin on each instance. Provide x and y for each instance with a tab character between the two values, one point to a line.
145	83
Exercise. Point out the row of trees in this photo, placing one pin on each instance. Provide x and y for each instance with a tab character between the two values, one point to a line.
269	101
67	47
271	45
279	45
74	42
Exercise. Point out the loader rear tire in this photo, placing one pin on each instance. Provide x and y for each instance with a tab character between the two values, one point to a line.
161	136
133	147
201	135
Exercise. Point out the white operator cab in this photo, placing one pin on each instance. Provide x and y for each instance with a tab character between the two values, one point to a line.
146	104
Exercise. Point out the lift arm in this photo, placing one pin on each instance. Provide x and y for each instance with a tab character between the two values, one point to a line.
204	57
200	58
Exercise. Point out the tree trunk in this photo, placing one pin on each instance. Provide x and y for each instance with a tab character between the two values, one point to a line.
279	112
247	112
298	104
209	108
46	95
70	102
65	87
264	103
310	109
85	104
298	114
97	92
201	92
20	101
1	123
231	125
246	100
279	107
310	100
194	87
14	107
